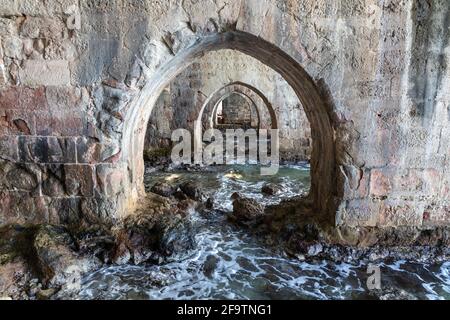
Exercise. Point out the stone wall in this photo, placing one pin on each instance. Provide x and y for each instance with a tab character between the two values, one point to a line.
79	79
236	110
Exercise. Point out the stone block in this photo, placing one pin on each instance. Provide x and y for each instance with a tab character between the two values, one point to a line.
408	182
380	183
437	215
9	8
399	213
64	211
45	73
53	180
12	47
432	182
8	27
88	150
20	177
100	209
47	149
67	98
445	187
17	122
79	180
60	124
362	212
110	179
22	98
355	182
22	208
43	28
8	148
95	60
3	75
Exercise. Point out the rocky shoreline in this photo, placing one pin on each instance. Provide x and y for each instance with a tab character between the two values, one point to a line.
37	262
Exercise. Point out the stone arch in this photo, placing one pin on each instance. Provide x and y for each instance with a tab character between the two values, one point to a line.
262	103
323	184
211	119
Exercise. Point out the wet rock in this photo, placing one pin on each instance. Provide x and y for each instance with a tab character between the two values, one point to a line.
210	265
246	210
270	189
45	294
390	293
15	271
235	196
192	190
163	189
246	264
209	205
59	263
156	235
315	249
180	195
96	242
158	157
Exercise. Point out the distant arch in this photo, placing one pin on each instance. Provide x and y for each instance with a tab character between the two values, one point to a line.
266	112
211	119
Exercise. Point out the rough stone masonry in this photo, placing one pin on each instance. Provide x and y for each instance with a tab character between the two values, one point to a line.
78	80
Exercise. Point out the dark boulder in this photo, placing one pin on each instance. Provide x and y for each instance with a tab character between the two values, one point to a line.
209	205
270	189
59	263
15	271
246	210
210	265
155	236
192	190
163	189
180	195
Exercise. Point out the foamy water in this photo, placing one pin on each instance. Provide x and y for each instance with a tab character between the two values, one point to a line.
230	264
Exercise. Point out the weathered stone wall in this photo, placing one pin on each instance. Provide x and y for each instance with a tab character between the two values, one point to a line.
236	110
79	79
190	89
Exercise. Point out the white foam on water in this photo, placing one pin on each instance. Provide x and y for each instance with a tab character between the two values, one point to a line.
245	268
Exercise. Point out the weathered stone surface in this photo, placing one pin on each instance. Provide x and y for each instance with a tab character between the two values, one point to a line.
246	210
15	272
163	189
192	190
160	232
19	177
270	189
23	98
22	208
65	124
109	179
58	259
8	148
47	150
45	73
79	180
64	211
12	47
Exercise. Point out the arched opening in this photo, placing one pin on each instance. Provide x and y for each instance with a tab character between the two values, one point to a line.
322	159
262	107
235	111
